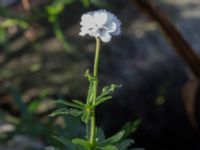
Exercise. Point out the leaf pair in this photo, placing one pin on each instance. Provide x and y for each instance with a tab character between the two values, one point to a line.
74	104
106	94
77	108
65	111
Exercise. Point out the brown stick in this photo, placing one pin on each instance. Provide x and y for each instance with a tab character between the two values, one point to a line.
181	46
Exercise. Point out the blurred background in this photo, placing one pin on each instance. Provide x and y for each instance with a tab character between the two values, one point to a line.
156	59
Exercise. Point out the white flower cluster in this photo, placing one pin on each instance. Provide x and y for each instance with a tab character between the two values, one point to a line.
101	24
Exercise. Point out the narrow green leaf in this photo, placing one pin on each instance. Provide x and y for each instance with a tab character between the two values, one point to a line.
111	88
125	144
79	103
112	140
68	104
85	117
108	90
66	142
91	80
101	100
90	92
100	135
82	142
109	147
87	75
65	111
130	127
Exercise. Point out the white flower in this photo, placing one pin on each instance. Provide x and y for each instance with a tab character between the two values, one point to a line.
100	23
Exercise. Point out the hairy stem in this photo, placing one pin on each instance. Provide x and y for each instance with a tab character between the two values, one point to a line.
95	74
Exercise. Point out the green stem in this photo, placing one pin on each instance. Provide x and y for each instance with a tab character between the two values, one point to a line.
95	74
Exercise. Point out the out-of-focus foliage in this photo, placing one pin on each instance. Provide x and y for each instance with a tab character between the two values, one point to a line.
35	125
14	22
30	121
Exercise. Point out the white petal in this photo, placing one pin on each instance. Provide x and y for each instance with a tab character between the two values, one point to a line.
93	32
87	19
105	37
111	27
100	18
117	31
83	32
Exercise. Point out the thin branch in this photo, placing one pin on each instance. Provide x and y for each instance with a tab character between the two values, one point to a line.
181	46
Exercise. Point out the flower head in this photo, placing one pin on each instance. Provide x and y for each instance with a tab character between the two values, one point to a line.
101	24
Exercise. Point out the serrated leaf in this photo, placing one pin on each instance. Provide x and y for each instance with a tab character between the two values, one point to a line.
68	104
113	139
107	91
82	142
65	111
